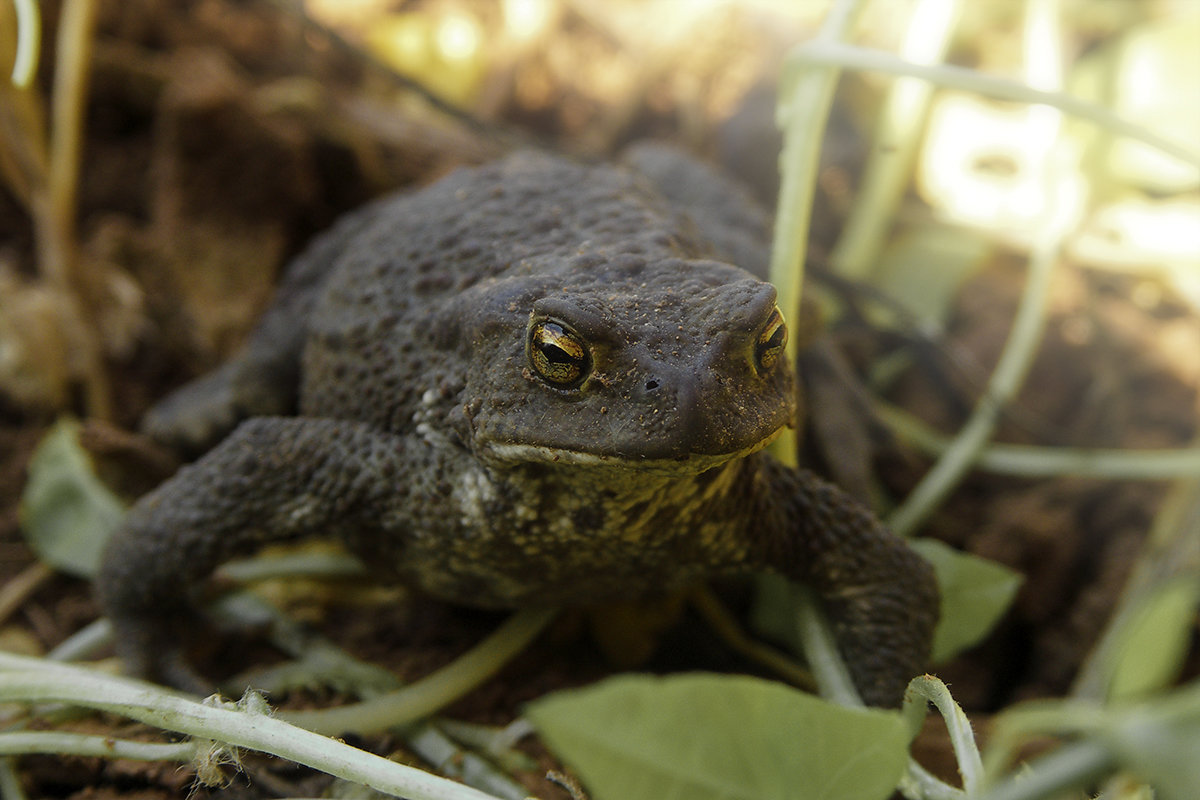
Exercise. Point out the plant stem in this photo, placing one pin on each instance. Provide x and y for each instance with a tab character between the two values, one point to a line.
10	785
27	680
1010	371
29	38
805	98
84	642
1072	765
1005	380
820	649
897	137
838	54
19	587
1033	461
54	205
66	134
328	566
433	691
79	744
439	750
919	784
927	688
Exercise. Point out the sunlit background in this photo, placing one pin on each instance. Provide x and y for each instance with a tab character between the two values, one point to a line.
997	167
588	78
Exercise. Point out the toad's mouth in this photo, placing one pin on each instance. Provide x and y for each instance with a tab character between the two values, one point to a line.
685	463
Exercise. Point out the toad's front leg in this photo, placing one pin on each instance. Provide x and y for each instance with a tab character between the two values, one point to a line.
274	479
880	596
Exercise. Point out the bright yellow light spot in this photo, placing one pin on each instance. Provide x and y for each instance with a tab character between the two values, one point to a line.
458	37
443	54
1043	51
1156	84
346	12
403	41
526	19
986	165
923	39
1150	231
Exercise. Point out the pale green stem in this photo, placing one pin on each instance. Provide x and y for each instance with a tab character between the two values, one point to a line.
80	744
897	137
445	755
805	98
1005	380
919	784
330	566
1013	728
1030	320
433	691
29	39
1032	461
10	784
1071	766
847	56
820	650
84	642
962	738
31	680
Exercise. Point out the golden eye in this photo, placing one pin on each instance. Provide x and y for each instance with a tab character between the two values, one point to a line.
558	355
771	342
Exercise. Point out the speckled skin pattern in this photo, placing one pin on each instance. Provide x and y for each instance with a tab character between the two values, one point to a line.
395	398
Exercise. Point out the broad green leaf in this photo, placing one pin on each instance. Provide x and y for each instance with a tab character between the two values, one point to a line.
975	594
720	737
1154	640
67	514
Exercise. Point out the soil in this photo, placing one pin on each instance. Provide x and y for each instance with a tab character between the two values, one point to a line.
221	135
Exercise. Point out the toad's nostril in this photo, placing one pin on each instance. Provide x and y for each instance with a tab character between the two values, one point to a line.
652	384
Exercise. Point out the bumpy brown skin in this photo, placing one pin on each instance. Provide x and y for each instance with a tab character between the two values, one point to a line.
429	442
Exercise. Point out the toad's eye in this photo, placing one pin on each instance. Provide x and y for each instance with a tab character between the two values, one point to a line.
558	355
771	342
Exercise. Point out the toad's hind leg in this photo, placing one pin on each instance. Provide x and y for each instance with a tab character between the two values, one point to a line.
273	480
263	378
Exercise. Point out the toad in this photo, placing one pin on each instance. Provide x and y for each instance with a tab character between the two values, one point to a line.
532	383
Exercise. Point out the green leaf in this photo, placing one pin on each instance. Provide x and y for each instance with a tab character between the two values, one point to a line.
720	737
1154	639
67	514
975	594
